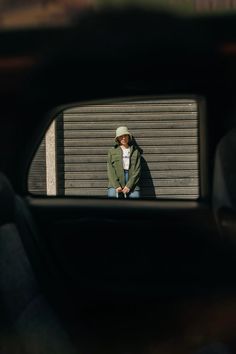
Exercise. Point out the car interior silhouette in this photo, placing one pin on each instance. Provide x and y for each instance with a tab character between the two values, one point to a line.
81	273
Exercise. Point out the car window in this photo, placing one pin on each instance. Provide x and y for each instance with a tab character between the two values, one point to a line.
73	156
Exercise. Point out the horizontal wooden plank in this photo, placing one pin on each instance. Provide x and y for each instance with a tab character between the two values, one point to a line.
69	158
171	182
106	142
177	190
143	106
176	197
181	182
159	191
130	118
185	150
135	127
146	196
37	168
153	174
153	166
165	100
169	158
152	134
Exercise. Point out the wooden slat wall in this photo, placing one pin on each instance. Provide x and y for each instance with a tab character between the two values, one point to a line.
167	131
37	172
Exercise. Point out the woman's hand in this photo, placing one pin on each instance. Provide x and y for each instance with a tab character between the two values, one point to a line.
118	190
126	190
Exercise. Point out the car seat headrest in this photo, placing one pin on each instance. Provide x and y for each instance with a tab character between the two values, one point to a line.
7	200
224	184
225	172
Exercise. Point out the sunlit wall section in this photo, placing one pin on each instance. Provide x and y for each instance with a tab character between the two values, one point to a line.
165	130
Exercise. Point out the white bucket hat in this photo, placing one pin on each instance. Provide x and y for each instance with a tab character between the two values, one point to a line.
122	131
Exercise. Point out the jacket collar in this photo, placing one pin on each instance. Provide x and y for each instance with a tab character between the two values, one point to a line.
131	147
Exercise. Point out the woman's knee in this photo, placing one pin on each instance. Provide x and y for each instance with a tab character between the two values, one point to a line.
111	192
135	194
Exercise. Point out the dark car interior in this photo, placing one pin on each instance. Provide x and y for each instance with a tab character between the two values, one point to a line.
96	275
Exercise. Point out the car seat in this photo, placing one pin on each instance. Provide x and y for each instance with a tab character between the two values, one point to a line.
28	322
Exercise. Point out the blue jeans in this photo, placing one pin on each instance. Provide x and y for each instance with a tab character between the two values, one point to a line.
111	193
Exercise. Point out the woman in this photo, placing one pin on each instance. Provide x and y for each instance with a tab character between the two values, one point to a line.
123	166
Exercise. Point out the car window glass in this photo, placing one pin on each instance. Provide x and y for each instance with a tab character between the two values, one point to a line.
73	155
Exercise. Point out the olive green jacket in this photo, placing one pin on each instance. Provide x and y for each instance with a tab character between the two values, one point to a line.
115	169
